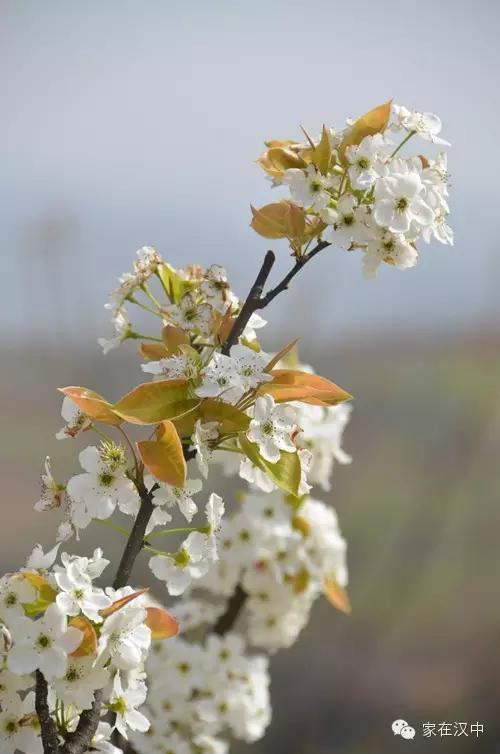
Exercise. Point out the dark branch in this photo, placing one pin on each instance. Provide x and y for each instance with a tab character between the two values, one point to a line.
256	301
252	302
226	621
50	737
299	264
135	541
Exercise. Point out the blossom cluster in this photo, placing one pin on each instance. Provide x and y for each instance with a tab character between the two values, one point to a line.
82	638
201	693
240	409
357	189
212	399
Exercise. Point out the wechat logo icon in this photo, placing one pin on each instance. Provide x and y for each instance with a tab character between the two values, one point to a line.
401	728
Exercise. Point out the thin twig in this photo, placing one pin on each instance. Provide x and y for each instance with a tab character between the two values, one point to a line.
252	302
256	301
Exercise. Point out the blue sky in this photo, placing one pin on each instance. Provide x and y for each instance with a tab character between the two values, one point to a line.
130	123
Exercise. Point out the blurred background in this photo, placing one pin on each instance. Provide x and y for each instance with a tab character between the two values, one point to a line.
125	124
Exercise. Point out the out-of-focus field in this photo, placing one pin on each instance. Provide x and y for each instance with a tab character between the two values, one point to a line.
419	507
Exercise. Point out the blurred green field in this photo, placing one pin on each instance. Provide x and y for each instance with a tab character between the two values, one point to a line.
419	507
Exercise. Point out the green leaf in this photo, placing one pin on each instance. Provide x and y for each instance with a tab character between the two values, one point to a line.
230	417
154	402
373	122
285	473
164	457
175	286
322	153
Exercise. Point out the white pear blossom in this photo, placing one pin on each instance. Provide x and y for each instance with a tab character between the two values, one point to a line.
204	434
78	594
256	322
181	366
309	188
80	681
41	561
101	740
389	247
221	379
124	638
124	703
271	428
10	684
76	421
346	223
96	493
15	592
169	496
366	160
190	315
43	644
216	291
18	733
52	493
122	329
399	202
426	125
190	562
250	366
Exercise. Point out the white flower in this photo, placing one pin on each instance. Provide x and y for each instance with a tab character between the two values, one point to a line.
18	731
366	161
11	683
399	202
250	366
216	291
203	435
122	331
15	591
43	644
147	262
309	187
392	248
101	740
321	432
125	639
426	125
190	562
78	594
41	561
124	703
76	421
190	315
439	229
80	681
345	222
221	380
271	428
169	496
182	366
52	493
256	322
104	486
159	517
